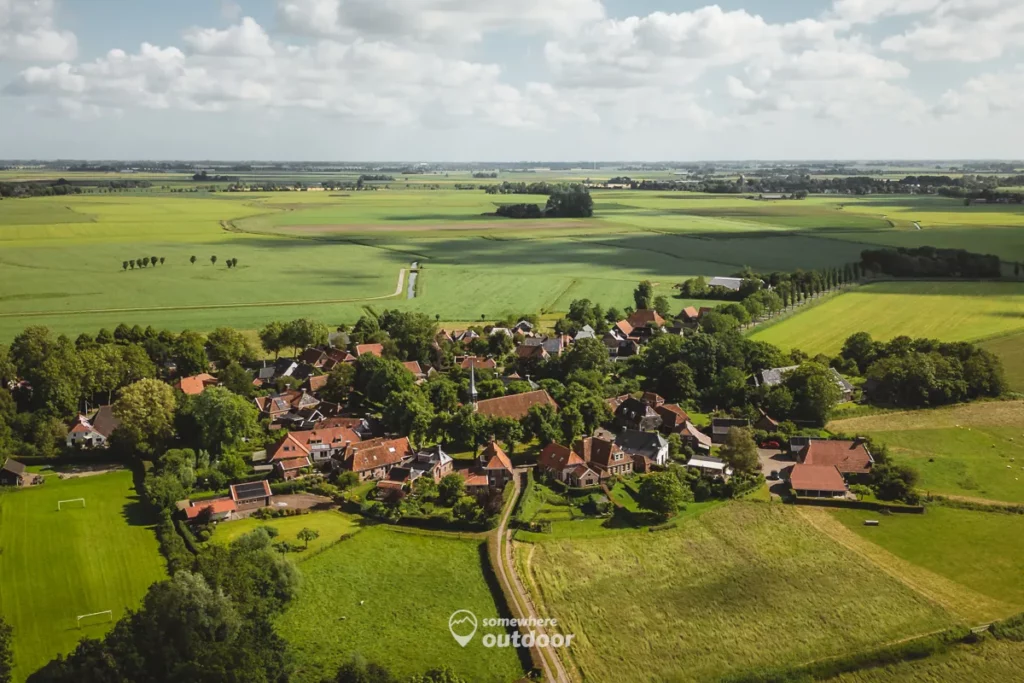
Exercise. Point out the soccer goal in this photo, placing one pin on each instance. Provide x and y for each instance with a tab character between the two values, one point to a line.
71	500
95	617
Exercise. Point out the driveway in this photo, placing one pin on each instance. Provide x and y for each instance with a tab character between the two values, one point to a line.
772	459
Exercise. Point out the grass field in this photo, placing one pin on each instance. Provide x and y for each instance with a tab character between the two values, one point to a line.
975	451
330	524
738	587
1010	349
328	254
58	565
411	583
979	550
990	662
949	311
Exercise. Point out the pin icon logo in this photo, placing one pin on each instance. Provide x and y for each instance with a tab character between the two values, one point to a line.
462	624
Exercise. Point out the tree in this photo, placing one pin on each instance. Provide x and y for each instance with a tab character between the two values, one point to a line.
189	351
451	488
124	265
815	393
643	295
306	535
213	260
408	412
661	305
237	379
541	423
740	452
227	345
339	383
272	336
223	419
894	482
358	670
585	355
661	493
6	660
305	332
162	260
146	411
131	264
192	260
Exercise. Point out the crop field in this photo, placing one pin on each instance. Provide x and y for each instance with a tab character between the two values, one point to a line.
330	525
329	254
972	451
978	550
387	595
59	565
989	662
949	311
741	586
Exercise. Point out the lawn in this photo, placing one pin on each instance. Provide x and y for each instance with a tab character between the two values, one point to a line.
975	451
58	565
411	583
981	551
740	586
949	311
990	662
331	526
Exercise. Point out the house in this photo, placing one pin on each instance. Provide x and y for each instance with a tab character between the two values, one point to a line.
468	362
293	401
320	445
798	443
621	331
195	385
434	463
555	346
374	459
315	383
13	474
645	318
558	462
720	427
586	332
371	349
649	445
694	438
516	406
851	458
689	316
776	376
617	401
216	510
523	327
817	481
94	433
476	481
289	457
532	352
336	357
706	465
730	283
252	494
413	366
582	477
672	418
605	457
314	357
639	413
496	466
766	422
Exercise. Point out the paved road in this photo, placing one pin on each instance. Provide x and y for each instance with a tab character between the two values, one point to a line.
524	608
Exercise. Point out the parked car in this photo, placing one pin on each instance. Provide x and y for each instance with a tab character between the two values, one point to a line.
770	444
773	475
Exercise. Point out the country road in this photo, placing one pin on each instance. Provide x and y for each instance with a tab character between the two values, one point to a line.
523	607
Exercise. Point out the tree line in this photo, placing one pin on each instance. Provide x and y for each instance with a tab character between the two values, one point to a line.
573	201
931	262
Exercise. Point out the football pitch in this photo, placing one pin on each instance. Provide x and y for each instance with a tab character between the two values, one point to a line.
59	565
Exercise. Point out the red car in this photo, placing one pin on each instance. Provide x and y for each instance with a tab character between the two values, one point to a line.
770	444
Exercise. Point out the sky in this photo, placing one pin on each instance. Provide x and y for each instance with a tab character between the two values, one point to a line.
511	80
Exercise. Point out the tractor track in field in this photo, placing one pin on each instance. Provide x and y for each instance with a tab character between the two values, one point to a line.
204	307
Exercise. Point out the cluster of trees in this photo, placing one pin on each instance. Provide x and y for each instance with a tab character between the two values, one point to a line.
203	176
485	174
295	334
931	262
507	187
789	287
922	372
142	262
61	187
564	201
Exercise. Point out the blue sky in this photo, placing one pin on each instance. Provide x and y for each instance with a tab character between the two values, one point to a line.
523	80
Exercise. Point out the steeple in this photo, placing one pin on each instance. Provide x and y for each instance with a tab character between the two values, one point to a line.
472	384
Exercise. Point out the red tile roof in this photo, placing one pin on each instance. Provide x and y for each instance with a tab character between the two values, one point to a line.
525	352
413	366
598	451
516	406
372	349
293	463
496	458
316	382
817	478
193	386
299	443
849	457
689	313
672	416
217	507
624	327
475	479
477	362
387	453
645	317
691	430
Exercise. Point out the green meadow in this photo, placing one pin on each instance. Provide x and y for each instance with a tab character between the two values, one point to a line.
989	662
56	566
330	524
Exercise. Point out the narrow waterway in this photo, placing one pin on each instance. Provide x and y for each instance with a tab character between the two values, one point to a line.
414	271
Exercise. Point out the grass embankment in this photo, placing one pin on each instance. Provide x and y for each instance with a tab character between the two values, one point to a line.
408	584
56	566
741	586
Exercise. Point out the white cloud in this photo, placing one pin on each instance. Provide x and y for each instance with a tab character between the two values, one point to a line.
247	39
457	21
985	95
964	30
868	11
27	32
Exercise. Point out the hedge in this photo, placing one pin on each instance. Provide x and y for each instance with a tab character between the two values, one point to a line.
858	504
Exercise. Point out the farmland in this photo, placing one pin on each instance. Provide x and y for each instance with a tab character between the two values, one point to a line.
974	451
330	525
58	565
740	586
328	254
949	311
990	662
411	583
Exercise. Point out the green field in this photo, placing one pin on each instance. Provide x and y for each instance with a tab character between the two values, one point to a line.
331	526
949	311
979	550
56	566
328	254
411	583
990	662
974	451
1010	350
738	587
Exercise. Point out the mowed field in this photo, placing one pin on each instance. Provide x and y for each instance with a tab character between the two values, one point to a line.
741	586
408	584
973	451
331	526
56	566
949	311
329	254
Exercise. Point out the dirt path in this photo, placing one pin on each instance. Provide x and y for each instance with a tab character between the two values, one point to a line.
203	307
524	608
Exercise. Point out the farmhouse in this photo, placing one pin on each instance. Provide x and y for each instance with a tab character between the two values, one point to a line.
851	458
94	433
321	445
817	481
730	283
251	495
645	318
374	459
13	474
195	385
516	406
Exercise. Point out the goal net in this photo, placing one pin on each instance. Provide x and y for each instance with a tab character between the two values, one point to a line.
95	618
73	502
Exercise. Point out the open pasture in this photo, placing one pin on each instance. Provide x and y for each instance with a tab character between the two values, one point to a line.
1010	349
741	586
386	595
949	311
989	662
59	565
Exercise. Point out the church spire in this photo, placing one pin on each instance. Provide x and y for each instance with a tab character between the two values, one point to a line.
472	383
